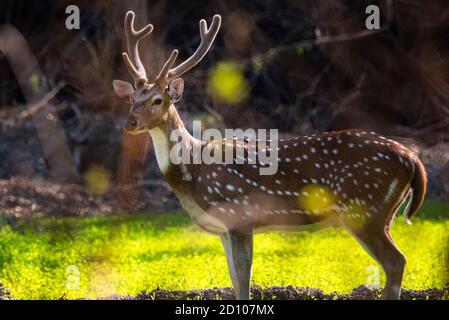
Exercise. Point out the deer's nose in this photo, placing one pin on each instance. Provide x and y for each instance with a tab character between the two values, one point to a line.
131	123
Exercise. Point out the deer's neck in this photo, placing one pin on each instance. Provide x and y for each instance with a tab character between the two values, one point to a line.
162	144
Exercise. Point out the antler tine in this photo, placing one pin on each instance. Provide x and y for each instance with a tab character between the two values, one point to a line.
162	77
132	61
207	38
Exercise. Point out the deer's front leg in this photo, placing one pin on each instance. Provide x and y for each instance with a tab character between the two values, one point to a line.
238	247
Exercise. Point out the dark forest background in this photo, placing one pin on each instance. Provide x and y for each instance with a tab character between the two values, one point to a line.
300	66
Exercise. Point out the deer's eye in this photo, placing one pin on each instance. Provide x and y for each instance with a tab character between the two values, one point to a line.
157	101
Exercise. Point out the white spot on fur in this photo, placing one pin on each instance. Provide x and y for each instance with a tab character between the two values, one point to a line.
391	189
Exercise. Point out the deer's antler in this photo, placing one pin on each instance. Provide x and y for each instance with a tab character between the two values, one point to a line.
207	38
132	58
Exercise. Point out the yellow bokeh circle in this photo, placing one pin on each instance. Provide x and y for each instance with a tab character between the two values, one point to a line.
316	198
227	83
97	179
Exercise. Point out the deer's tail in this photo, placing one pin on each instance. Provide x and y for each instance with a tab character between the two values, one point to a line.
418	187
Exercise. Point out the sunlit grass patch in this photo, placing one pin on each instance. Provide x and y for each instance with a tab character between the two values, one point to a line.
126	255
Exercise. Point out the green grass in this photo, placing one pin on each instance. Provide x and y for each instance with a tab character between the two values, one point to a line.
126	255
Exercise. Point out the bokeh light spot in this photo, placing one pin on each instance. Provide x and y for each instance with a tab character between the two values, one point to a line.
227	83
316	198
35	83
97	179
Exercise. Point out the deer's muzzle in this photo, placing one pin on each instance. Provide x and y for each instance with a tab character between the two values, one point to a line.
131	124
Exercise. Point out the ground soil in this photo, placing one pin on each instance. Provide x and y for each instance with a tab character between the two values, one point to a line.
271	293
284	293
4	292
290	293
25	198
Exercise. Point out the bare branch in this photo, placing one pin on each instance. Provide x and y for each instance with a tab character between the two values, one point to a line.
35	107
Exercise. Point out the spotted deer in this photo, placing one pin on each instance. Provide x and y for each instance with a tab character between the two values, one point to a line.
352	179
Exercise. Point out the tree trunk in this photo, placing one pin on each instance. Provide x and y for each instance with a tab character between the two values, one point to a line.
34	88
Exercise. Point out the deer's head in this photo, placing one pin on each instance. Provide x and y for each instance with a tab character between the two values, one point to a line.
151	99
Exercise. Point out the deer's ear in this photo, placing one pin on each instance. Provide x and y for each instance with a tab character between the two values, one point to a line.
123	88
175	89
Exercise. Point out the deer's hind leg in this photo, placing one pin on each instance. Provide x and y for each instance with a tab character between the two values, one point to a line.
238	247
379	244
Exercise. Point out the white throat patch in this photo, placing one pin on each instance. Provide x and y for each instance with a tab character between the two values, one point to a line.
160	142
